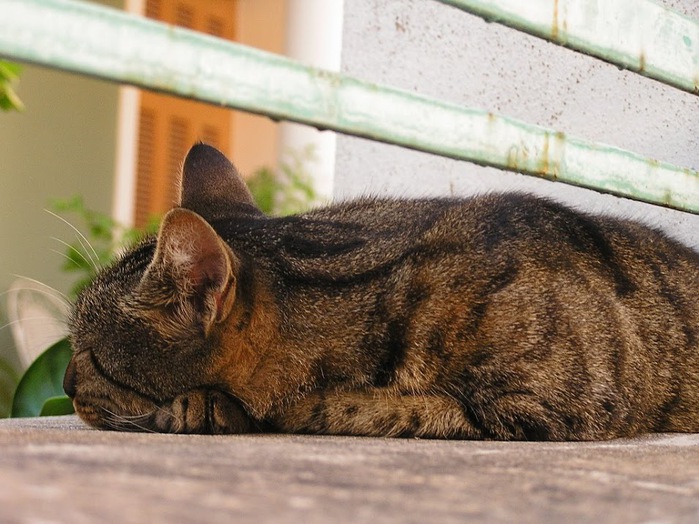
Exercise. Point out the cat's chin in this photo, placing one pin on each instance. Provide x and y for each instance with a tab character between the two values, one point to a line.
106	414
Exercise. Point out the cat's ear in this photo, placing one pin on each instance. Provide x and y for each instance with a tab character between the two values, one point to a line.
211	185
192	269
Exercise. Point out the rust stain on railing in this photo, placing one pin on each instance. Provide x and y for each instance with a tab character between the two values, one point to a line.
657	42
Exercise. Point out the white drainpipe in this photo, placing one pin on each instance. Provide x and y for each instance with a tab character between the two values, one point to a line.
314	37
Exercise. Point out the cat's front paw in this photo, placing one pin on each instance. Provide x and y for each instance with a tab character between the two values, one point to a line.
205	411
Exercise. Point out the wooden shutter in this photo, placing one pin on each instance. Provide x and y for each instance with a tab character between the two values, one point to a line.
168	126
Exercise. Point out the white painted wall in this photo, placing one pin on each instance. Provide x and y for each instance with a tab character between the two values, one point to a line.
439	51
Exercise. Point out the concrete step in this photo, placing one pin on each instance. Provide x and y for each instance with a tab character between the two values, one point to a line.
56	469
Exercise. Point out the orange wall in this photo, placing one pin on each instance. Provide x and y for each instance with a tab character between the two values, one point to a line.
261	24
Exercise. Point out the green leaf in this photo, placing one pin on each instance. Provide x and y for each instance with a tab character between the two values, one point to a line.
77	259
8	383
101	226
74	204
9	100
56	406
9	73
9	70
264	186
43	380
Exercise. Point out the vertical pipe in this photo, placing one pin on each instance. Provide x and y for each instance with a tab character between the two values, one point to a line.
314	38
124	196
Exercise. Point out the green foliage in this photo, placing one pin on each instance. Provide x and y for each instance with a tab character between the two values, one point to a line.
56	406
104	237
8	383
41	388
287	190
9	74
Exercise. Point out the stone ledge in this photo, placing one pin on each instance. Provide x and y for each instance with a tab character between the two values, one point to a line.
57	470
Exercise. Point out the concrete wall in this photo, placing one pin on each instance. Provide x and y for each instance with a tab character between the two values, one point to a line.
62	144
439	51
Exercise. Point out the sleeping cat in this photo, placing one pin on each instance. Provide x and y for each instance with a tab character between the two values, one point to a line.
496	317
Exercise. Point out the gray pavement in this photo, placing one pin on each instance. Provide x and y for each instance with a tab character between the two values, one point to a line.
58	470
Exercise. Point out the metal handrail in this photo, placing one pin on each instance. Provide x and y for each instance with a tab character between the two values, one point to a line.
113	45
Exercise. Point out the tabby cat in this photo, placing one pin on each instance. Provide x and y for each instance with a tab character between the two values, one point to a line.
503	316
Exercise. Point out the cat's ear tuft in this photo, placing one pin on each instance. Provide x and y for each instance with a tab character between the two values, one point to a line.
211	185
193	268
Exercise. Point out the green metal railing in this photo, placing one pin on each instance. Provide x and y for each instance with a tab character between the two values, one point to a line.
113	45
638	35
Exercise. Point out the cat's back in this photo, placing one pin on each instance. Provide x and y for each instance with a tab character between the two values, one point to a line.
367	234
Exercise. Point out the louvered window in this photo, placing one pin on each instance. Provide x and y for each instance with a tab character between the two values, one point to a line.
169	126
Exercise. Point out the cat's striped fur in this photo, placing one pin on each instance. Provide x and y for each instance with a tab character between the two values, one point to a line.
497	317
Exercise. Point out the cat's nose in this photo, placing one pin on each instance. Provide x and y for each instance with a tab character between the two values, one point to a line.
70	379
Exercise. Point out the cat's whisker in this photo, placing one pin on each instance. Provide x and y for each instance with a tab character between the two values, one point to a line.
136	418
95	261
121	425
10	323
60	253
81	238
126	422
19	320
81	253
163	409
48	291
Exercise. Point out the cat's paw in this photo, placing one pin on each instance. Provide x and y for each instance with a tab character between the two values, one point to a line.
205	411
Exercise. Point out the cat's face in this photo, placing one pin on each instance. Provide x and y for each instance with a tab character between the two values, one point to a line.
146	333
